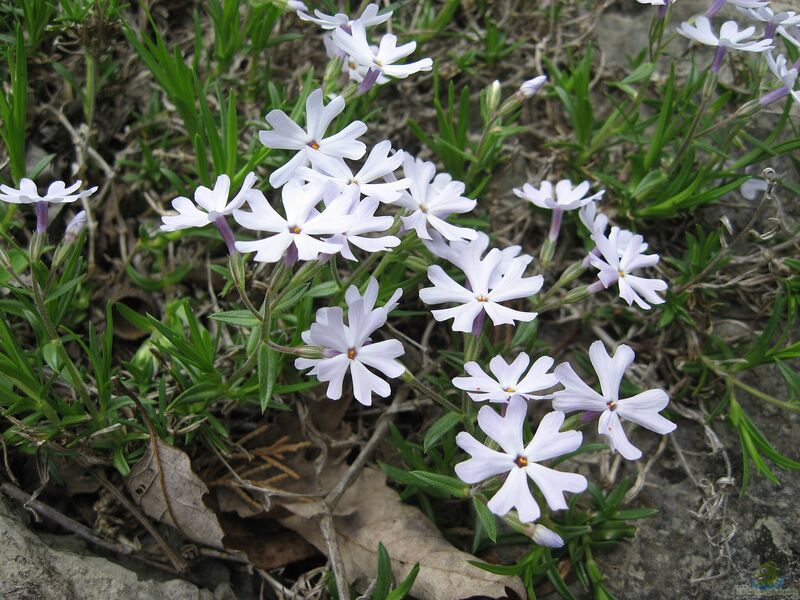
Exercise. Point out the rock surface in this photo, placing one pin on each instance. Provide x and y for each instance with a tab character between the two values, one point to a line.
32	570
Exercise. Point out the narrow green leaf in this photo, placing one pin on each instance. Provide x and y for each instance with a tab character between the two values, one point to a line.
442	426
243	318
486	517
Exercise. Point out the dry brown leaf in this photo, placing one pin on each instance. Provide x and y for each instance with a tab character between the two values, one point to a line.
266	544
376	514
179	500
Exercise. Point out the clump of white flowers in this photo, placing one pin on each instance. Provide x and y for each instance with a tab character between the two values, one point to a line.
335	195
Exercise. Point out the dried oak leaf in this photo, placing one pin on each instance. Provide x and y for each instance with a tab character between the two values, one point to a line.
375	514
178	501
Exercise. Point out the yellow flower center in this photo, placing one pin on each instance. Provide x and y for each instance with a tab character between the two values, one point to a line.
521	461
351	354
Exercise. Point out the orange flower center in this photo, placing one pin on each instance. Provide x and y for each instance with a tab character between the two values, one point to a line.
313	144
521	461
351	354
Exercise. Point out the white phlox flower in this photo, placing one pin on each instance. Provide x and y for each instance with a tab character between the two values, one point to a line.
766	15
781	68
485	293
718	5
616	265
562	196
355	71
368	18
299	232
729	35
369	180
209	205
520	461
787	74
597	223
348	348
461	253
642	408
781	23
431	199
508	381
57	193
382	61
363	221
288	135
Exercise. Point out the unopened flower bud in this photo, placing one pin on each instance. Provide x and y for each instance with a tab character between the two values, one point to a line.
543	536
417	264
530	87
5	262
576	295
572	272
73	231
236	265
74	228
311	352
525	91
493	96
332	72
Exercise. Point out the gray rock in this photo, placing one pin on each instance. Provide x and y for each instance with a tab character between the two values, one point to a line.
32	570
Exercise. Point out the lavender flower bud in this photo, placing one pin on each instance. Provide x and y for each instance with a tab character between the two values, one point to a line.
75	227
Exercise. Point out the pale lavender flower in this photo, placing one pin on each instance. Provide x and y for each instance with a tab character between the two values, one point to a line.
617	266
363	221
57	193
370	178
642	408
509	381
786	74
520	461
384	60
485	294
368	18
559	199
432	198
349	348
210	206
288	135
729	37
461	253
297	235
717	5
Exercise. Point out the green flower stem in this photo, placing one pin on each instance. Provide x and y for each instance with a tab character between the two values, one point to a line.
426	391
354	276
569	275
236	265
52	334
471	347
246	367
708	88
546	253
308	271
732	379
